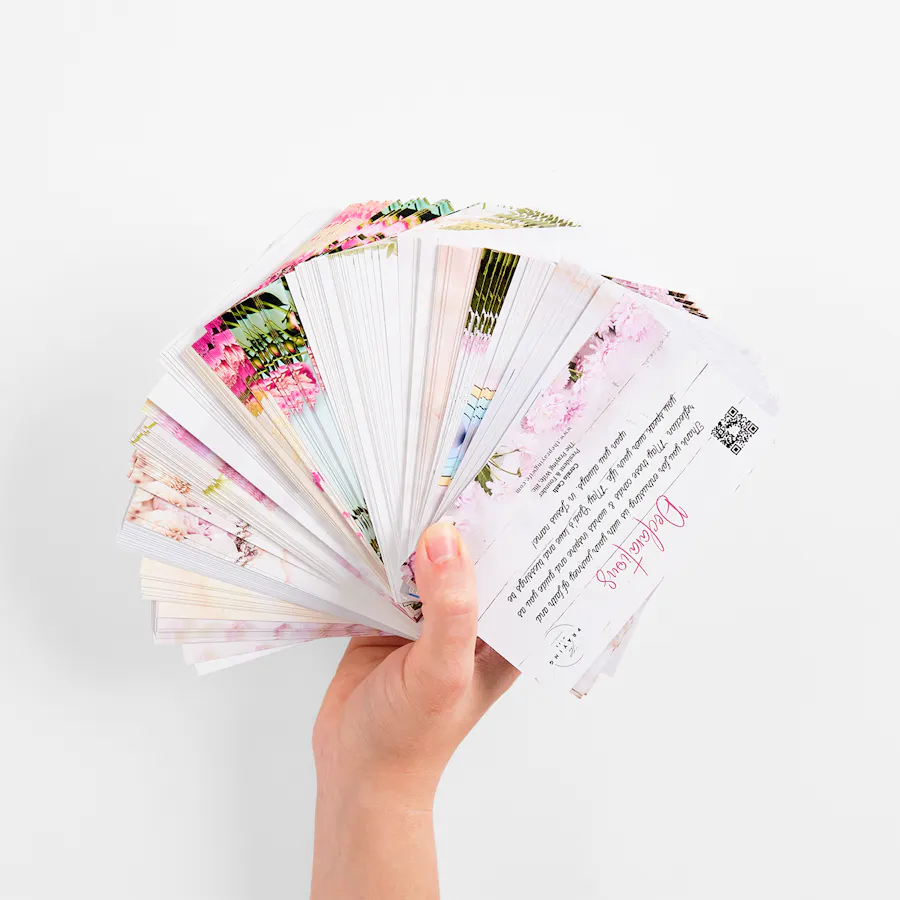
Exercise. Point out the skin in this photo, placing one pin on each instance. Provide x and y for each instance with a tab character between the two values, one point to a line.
391	719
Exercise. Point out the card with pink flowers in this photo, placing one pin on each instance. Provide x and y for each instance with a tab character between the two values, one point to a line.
395	363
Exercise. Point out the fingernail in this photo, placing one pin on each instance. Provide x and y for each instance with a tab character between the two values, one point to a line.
442	542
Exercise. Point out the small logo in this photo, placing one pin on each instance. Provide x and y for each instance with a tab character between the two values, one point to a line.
734	431
563	642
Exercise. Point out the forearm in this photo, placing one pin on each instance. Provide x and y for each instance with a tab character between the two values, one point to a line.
371	844
390	721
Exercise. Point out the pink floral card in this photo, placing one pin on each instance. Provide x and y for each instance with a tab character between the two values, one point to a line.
400	362
604	484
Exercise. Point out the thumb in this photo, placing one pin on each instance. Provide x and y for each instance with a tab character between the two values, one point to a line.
441	663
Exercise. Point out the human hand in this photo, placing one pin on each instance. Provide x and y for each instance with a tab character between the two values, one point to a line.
390	721
396	709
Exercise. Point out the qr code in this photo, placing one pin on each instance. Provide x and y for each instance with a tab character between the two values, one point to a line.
734	430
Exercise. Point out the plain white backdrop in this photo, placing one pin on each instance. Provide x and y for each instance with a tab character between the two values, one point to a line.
749	743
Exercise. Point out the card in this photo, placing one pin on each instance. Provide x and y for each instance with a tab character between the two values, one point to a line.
396	363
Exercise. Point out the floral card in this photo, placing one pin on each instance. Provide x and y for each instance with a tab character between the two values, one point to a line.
399	362
597	491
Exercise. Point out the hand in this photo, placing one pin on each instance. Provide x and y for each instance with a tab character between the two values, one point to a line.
396	709
390	721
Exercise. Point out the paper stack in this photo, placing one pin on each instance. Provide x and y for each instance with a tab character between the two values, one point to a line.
393	364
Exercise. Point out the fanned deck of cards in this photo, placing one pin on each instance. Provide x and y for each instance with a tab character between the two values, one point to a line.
394	364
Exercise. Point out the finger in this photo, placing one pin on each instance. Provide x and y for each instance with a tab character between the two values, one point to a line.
361	656
494	674
366	652
382	641
443	659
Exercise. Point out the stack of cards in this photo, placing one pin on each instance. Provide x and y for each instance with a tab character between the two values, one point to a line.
394	364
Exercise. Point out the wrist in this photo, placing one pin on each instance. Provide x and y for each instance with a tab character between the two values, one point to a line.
382	792
377	832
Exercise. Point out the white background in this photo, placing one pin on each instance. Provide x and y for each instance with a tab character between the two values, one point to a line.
749	744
